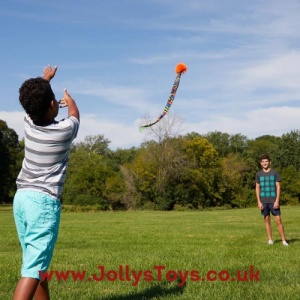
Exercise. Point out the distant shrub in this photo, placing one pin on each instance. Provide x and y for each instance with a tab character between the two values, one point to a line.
179	207
85	200
223	207
68	208
97	202
164	203
148	206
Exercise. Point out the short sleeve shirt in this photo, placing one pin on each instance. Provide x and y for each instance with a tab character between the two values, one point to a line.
46	155
267	182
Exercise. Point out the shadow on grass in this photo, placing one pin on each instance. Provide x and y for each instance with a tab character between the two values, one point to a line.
290	241
158	291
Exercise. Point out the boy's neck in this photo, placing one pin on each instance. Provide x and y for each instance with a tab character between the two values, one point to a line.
44	122
267	170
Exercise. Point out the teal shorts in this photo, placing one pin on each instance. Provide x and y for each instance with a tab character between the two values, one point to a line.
37	217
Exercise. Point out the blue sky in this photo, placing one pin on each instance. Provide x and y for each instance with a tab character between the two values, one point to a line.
117	59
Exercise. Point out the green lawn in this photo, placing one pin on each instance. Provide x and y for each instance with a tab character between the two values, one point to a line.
225	241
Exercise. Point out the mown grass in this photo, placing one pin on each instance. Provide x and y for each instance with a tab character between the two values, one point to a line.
228	240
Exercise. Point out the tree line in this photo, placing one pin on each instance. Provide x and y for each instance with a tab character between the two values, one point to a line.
168	171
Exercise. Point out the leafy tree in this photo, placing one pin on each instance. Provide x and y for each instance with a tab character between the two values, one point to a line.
290	186
225	143
198	183
153	173
87	174
156	164
177	171
220	141
143	172
96	144
120	157
261	145
10	161
116	192
235	191
238	143
289	150
217	169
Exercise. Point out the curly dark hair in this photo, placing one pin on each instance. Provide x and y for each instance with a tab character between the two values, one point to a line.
35	96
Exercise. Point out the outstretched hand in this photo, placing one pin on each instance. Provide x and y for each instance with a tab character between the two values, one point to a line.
64	101
68	101
49	73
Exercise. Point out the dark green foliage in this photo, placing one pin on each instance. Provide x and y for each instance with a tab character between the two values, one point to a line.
225	143
288	150
290	191
86	200
10	161
185	172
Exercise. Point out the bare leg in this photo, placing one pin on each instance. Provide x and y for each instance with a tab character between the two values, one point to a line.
268	227
42	291
280	227
26	288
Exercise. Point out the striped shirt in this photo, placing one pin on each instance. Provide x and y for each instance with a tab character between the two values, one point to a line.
46	155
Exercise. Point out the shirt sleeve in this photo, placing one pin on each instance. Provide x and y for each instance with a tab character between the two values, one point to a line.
75	125
257	178
70	125
277	177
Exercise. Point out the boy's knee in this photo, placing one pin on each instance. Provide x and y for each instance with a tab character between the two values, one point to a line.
278	220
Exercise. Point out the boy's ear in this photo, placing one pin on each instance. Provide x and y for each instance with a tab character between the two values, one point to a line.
52	104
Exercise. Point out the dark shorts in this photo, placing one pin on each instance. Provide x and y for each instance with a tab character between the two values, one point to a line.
268	207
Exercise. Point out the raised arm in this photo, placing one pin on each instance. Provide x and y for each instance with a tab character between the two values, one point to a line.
49	73
72	107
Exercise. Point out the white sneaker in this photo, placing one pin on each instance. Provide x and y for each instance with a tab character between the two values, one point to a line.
270	242
284	243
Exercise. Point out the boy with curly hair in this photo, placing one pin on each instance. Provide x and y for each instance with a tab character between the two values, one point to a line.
40	182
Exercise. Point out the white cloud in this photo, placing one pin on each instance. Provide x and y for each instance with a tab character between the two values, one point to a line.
278	72
14	120
120	135
134	98
267	121
273	121
120	95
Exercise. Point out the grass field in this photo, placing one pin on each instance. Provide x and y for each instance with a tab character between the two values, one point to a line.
226	241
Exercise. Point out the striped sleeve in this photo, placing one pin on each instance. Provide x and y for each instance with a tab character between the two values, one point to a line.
46	155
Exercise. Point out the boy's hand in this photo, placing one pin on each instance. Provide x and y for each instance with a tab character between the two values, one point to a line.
260	206
49	73
276	204
64	101
67	100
